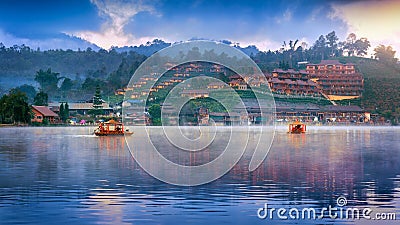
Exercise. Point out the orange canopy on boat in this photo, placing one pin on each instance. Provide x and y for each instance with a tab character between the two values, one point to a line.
112	122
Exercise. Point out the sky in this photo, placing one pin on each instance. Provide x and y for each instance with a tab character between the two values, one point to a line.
265	23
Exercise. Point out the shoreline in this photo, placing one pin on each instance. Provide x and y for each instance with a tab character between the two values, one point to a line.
52	126
276	125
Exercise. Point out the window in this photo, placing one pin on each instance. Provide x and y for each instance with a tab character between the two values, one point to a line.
39	117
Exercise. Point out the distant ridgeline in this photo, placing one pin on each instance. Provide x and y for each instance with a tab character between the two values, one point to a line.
19	64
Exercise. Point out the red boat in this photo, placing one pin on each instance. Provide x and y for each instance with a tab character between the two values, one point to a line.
297	128
111	127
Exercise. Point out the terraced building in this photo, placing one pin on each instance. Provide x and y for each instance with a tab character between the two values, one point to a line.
338	81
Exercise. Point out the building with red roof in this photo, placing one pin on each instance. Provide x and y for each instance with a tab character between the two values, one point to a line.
41	113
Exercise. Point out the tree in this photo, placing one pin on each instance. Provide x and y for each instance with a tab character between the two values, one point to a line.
61	112
97	100
47	80
155	114
97	103
41	98
331	41
385	54
388	115
283	65
354	46
194	53
14	108
5	109
67	84
361	46
29	90
291	51
320	47
90	84
349	44
21	108
66	110
120	78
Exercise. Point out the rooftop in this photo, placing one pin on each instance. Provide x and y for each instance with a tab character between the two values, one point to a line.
291	71
45	111
81	106
330	62
342	108
216	84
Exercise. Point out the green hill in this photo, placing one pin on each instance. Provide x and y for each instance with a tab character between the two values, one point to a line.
381	84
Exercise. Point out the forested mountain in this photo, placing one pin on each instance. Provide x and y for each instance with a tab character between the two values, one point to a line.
76	74
72	74
22	62
381	85
156	45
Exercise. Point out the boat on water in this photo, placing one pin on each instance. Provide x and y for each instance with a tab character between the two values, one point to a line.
110	128
297	128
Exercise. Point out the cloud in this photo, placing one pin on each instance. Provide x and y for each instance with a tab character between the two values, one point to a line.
117	15
285	17
376	20
315	14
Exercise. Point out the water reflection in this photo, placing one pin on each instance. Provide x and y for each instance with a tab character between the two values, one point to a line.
67	175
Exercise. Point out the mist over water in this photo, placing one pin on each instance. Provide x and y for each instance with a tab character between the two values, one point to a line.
69	176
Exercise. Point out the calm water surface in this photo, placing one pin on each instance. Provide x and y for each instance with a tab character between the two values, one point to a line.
68	176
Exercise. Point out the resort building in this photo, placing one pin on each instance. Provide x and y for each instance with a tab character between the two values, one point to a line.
195	93
235	83
242	86
135	95
291	82
306	112
84	108
338	81
238	82
315	113
119	92
43	113
225	119
216	85
217	69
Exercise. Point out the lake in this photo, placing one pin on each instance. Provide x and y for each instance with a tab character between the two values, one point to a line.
69	176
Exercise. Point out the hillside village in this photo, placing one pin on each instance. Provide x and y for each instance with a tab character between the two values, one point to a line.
317	85
308	95
312	95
